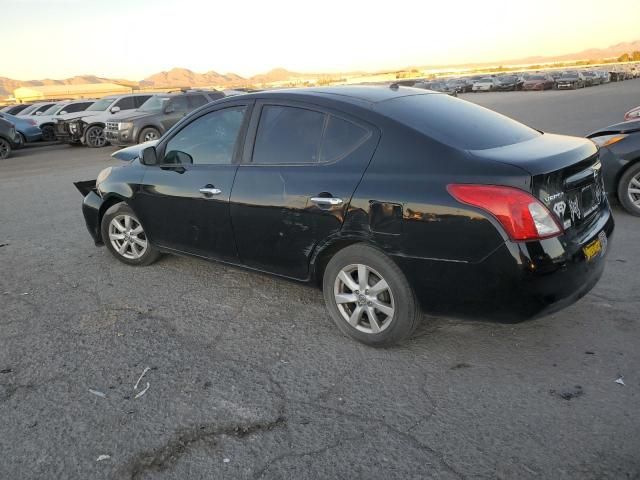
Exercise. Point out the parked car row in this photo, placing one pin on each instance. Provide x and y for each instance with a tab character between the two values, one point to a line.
512	81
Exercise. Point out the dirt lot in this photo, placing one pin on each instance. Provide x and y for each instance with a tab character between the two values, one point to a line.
249	378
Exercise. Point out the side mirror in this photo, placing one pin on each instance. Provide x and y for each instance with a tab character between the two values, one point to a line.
115	109
38	113
148	156
63	112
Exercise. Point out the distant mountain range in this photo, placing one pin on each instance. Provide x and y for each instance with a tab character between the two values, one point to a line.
182	77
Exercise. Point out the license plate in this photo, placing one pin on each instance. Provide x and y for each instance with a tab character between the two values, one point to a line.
596	247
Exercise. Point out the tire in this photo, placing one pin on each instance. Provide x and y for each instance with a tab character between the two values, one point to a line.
5	149
23	140
392	325
627	186
148	134
48	133
94	137
133	248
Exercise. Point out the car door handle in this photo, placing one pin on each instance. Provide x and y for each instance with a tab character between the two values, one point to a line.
326	201
210	191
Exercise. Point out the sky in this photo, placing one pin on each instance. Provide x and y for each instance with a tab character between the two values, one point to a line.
133	39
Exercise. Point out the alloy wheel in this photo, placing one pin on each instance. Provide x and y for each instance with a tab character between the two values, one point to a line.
95	137
5	148
634	190
364	299
150	135
127	237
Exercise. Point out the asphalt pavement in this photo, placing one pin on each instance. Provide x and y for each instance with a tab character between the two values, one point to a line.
248	378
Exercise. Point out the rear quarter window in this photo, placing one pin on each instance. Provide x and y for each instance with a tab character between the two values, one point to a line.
455	122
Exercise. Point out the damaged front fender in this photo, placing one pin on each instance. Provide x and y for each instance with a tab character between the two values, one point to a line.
91	206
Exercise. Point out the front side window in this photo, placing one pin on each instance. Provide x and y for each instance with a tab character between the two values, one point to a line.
139	100
76	107
197	101
154	104
288	135
179	104
126	103
208	140
101	105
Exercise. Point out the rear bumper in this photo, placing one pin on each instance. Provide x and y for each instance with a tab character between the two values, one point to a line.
518	281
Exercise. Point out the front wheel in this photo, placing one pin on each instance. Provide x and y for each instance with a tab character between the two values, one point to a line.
368	296
95	137
125	237
148	134
5	149
48	133
629	190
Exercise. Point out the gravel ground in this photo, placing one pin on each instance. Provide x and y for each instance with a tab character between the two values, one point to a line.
248	378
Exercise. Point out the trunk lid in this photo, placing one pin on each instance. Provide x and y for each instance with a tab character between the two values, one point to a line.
566	174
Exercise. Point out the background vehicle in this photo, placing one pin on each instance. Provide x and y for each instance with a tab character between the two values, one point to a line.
47	120
383	195
155	116
14	109
570	81
538	82
27	128
88	127
9	138
437	86
36	109
509	83
485	84
460	85
632	114
620	153
592	78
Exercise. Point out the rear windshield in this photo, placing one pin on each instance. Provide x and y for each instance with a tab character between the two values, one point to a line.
455	122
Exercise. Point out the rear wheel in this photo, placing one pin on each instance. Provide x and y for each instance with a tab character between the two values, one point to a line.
368	296
94	137
148	134
125	237
5	148
48	133
629	189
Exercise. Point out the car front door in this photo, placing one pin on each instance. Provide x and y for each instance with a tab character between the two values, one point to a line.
183	201
300	168
175	109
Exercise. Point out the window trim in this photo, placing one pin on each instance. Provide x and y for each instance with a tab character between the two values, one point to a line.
189	119
252	134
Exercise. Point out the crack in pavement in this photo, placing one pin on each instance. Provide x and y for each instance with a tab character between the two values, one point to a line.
163	458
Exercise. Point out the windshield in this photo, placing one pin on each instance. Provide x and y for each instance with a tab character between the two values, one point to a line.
52	110
536	77
100	105
29	109
569	76
155	103
485	80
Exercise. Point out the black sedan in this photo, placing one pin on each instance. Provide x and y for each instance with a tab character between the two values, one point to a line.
390	198
620	154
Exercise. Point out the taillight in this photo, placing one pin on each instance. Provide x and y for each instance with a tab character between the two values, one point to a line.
520	213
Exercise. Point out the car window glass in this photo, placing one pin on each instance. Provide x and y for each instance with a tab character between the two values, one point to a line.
126	103
179	104
455	122
76	107
140	99
208	140
288	135
340	138
196	101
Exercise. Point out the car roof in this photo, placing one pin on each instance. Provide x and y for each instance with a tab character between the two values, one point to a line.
357	95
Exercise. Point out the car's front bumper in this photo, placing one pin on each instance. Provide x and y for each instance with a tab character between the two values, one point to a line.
120	137
91	206
517	281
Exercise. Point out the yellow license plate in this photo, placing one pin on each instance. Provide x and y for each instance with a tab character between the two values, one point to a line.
593	249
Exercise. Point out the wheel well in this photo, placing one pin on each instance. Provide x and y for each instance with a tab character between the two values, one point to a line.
97	124
106	205
324	256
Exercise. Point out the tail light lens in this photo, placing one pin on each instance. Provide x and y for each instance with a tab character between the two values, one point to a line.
522	215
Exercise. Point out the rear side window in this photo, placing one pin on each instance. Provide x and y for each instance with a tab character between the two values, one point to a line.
340	138
455	122
196	101
126	103
288	135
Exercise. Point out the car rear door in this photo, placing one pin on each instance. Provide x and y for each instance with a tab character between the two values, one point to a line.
183	202
301	165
